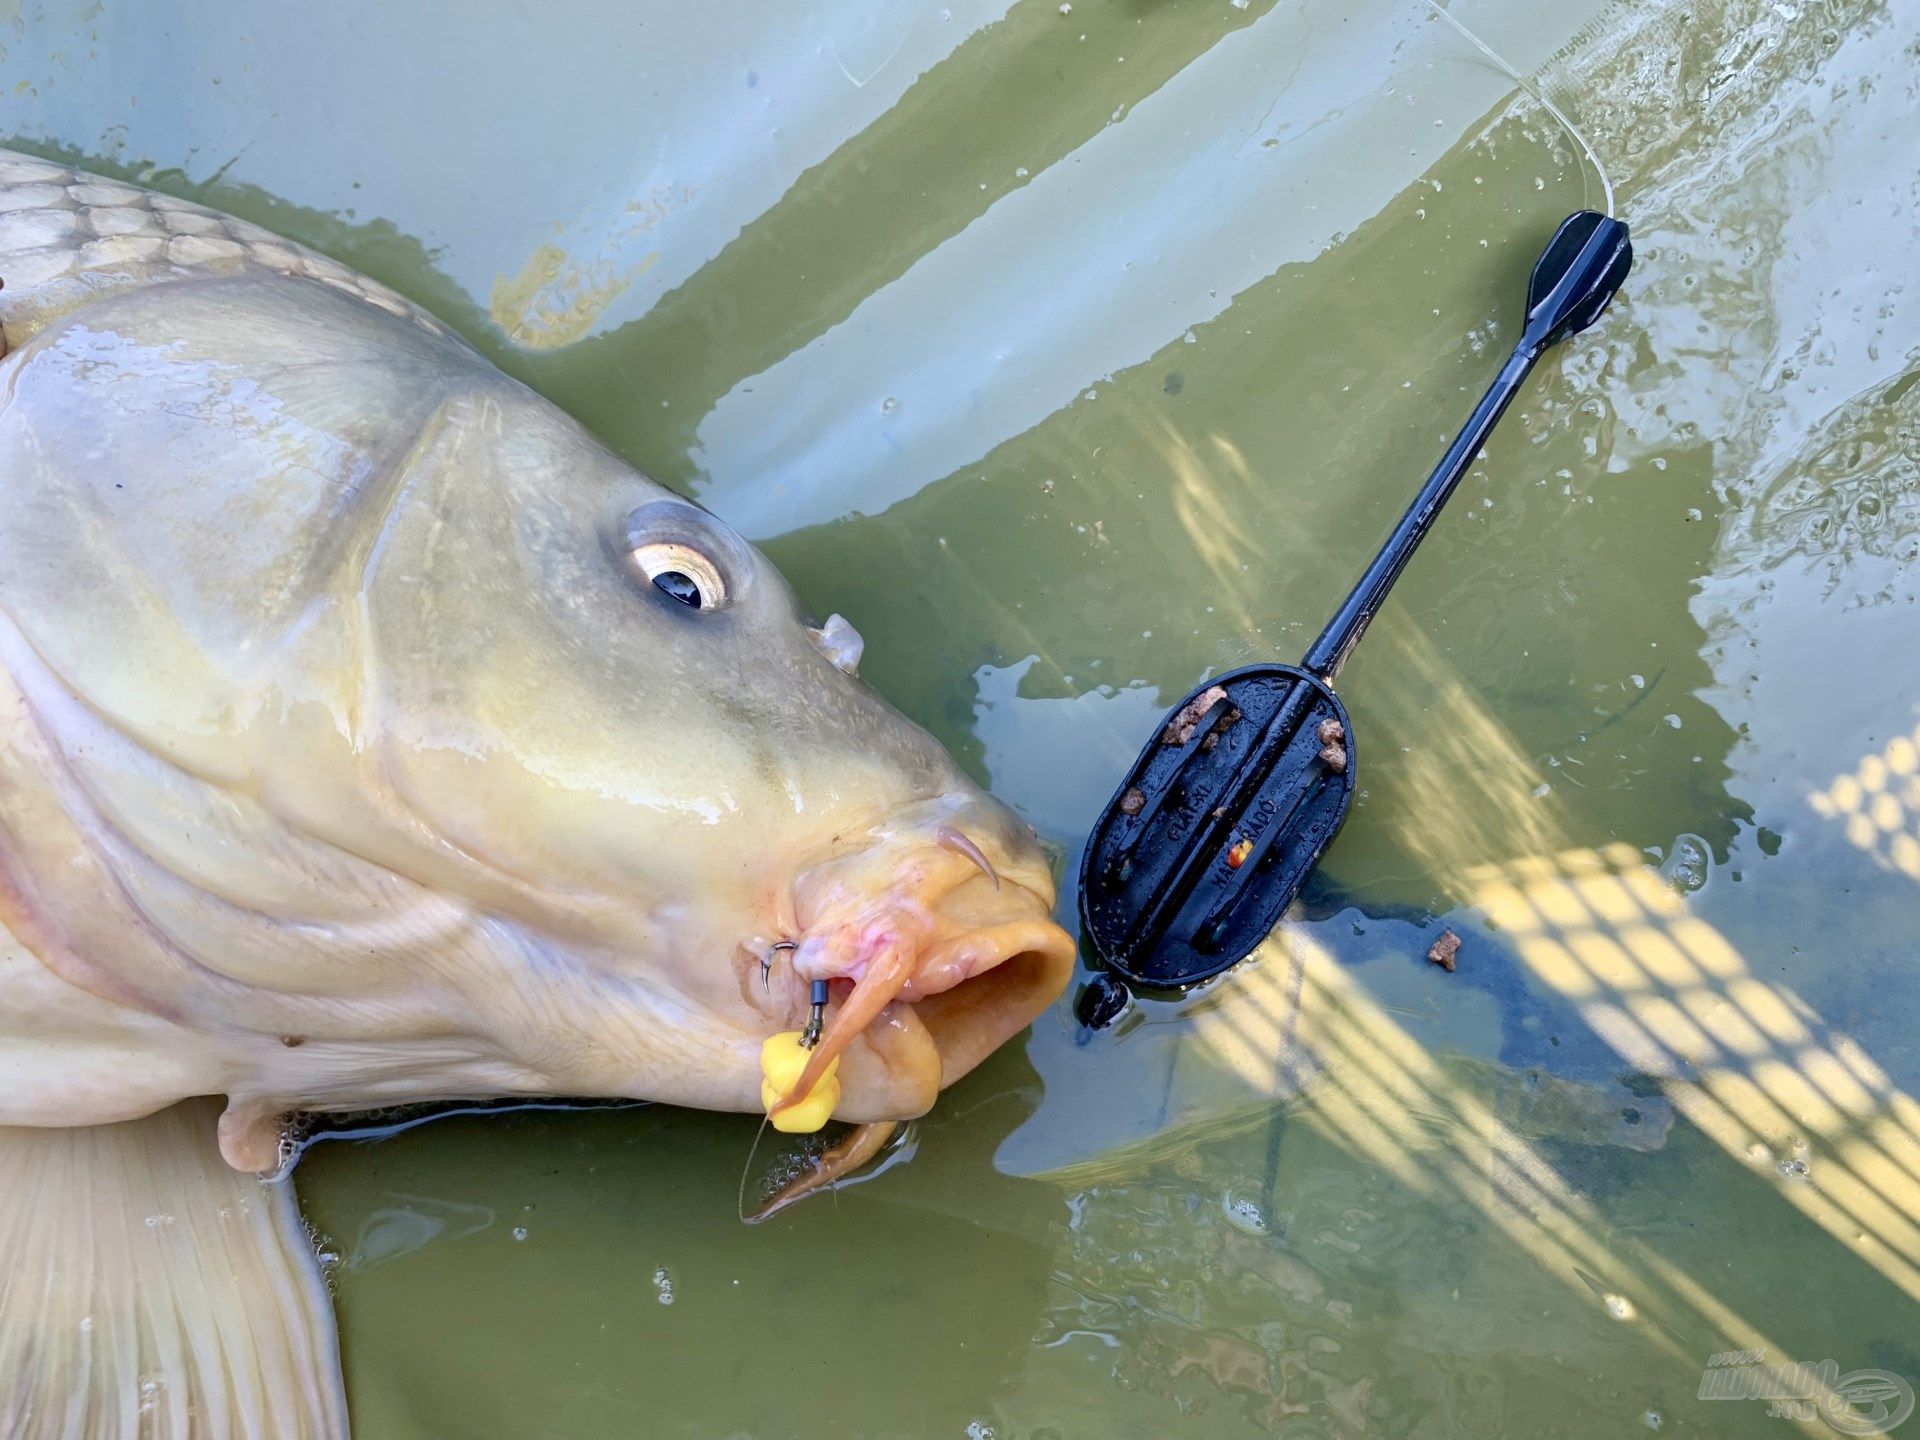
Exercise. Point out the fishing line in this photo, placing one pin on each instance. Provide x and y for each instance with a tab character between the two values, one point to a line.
1593	159
740	1197
293	1146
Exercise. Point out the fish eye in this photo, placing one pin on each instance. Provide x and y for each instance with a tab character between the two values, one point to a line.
681	572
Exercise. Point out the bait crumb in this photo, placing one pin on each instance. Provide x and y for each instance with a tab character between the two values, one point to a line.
1220	727
1237	856
1332	736
1443	952
1133	802
1180	729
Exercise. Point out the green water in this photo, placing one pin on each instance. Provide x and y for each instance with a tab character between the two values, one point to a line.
1070	355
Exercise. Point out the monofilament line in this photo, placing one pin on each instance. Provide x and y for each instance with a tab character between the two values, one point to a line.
1527	85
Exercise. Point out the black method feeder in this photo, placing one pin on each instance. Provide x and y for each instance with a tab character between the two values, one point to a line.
1231	804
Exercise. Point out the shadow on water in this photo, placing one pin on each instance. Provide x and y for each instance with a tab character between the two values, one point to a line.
1800	1154
1878	801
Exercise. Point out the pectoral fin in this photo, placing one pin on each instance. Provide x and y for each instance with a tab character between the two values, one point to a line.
149	1290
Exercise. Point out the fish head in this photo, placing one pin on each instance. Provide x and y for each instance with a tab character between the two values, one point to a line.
671	780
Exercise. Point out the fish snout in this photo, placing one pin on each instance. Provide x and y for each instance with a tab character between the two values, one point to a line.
938	946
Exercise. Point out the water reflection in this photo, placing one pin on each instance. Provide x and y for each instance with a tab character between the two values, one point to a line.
689	131
1056	751
1287	135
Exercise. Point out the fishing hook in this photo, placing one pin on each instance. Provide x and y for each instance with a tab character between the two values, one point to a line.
766	960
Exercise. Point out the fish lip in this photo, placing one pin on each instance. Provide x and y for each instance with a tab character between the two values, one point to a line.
968	1020
917	1047
987	956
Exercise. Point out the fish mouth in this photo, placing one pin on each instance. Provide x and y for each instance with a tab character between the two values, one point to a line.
938	947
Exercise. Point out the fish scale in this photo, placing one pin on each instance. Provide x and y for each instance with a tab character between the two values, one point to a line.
67	237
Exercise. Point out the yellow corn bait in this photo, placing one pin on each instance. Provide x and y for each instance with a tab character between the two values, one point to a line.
782	1058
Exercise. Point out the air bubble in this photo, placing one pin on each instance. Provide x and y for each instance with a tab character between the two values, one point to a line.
1689	864
1243	1214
